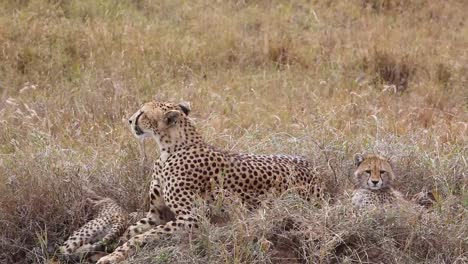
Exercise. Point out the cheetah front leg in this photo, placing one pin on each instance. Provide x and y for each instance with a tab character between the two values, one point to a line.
115	231
131	246
95	251
83	237
158	214
185	220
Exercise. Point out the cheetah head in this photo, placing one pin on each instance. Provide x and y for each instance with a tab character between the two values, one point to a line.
154	118
373	172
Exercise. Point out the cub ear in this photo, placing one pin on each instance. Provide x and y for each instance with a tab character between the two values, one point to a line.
392	160
358	159
185	107
171	117
91	201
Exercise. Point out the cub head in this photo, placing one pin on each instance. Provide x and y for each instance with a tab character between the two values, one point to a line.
373	172
153	118
94	202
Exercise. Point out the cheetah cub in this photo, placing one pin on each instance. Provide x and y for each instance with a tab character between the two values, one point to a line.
108	223
374	177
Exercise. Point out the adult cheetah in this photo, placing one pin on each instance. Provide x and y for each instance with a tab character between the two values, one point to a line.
188	167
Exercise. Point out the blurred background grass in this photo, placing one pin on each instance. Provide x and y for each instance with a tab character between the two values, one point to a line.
324	79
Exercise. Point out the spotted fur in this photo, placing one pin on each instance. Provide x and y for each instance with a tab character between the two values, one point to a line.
108	223
188	167
374	178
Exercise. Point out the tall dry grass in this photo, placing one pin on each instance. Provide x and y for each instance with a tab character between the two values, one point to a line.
321	78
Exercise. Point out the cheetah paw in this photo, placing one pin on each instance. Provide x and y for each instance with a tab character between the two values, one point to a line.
110	259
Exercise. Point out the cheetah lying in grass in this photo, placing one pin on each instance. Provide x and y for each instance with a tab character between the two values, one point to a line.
188	166
109	222
374	177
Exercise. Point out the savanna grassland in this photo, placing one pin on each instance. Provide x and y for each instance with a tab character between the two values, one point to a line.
325	79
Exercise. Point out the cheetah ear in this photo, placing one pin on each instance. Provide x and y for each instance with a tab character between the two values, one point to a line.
392	160
171	117
358	159
91	201
185	107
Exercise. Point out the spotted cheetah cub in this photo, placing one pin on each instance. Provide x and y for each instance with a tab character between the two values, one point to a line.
374	177
109	222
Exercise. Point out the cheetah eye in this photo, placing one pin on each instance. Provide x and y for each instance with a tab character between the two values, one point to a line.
382	172
368	171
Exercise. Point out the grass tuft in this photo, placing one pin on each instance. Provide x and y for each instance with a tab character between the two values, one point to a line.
390	70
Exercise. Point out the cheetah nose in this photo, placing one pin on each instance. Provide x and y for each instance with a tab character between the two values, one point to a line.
375	182
130	121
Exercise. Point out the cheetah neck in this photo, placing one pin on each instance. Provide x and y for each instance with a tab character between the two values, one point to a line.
176	138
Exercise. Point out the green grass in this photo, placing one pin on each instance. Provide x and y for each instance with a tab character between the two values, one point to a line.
325	79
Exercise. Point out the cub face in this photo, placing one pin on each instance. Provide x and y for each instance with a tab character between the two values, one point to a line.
373	172
154	117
